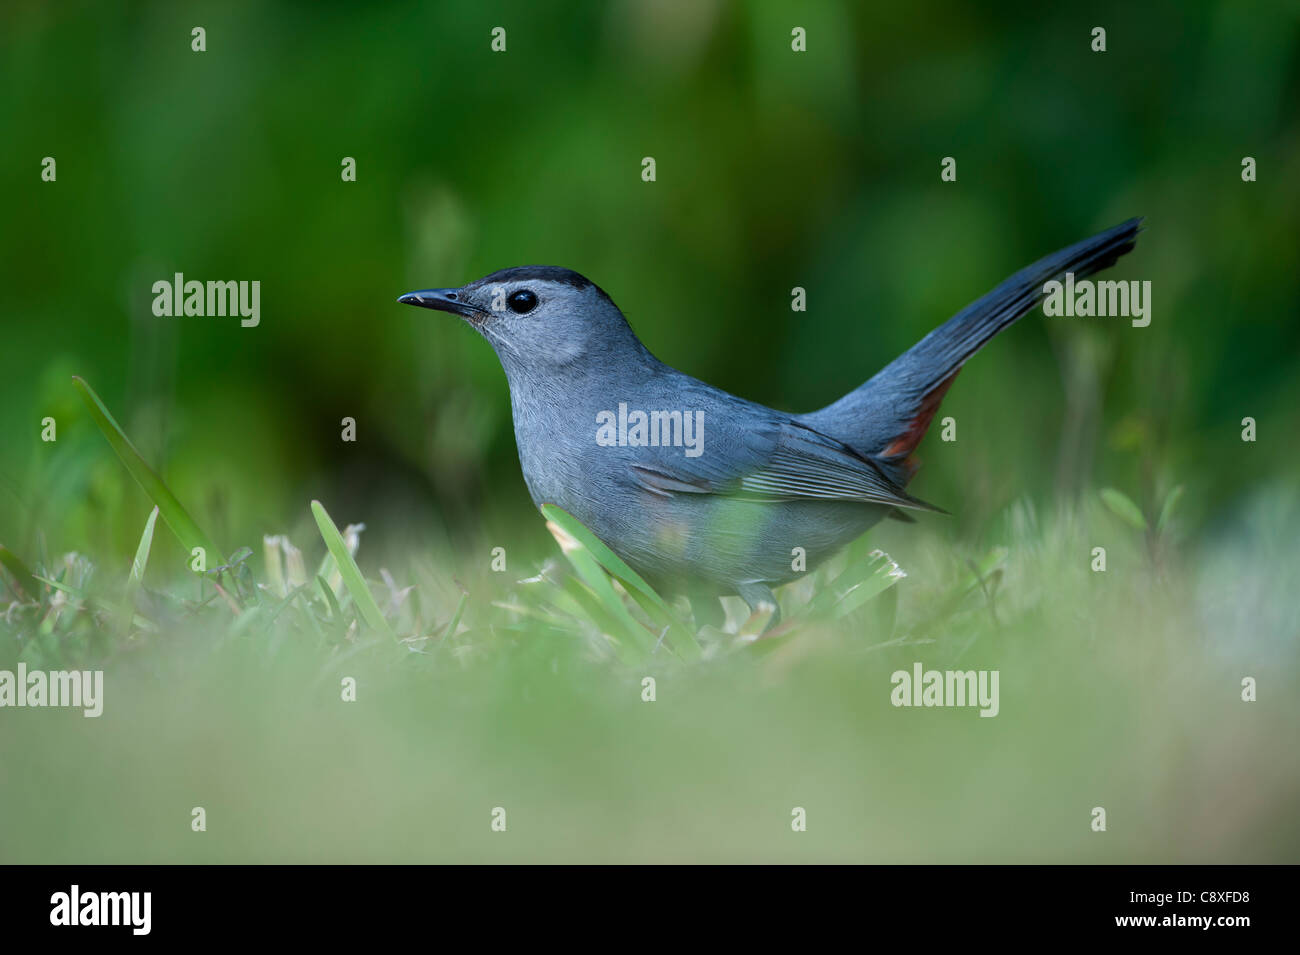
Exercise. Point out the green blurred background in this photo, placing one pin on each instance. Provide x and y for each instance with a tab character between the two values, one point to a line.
774	170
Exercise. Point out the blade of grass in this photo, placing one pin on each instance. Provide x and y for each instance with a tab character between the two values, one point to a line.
173	513
24	579
455	619
611	561
336	612
683	640
303	609
884	574
59	585
611	616
586	606
858	583
284	604
352	579
136	576
272	556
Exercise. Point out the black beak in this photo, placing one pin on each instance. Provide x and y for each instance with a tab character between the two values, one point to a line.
442	300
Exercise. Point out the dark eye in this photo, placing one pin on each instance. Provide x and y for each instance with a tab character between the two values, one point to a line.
522	302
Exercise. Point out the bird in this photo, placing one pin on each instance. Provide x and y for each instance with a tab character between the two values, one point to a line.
698	490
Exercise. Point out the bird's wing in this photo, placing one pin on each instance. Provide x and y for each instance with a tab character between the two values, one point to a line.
782	462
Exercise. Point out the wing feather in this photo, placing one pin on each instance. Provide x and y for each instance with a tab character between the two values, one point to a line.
796	463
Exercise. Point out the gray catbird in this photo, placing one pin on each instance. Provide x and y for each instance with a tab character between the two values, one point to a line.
696	488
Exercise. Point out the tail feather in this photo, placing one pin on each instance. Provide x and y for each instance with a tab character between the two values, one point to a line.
887	417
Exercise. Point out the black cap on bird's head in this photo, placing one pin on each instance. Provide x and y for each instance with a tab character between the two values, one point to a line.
534	315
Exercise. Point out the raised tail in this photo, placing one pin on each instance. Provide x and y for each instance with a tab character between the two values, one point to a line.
887	417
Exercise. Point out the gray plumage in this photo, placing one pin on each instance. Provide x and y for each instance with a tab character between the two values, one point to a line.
764	482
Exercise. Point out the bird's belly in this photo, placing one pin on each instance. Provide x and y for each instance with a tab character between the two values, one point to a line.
685	541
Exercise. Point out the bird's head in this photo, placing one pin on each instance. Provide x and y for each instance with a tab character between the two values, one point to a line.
536	316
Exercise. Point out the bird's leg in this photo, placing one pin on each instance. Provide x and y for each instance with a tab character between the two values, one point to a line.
761	600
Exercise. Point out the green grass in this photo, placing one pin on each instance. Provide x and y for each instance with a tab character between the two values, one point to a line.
524	690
